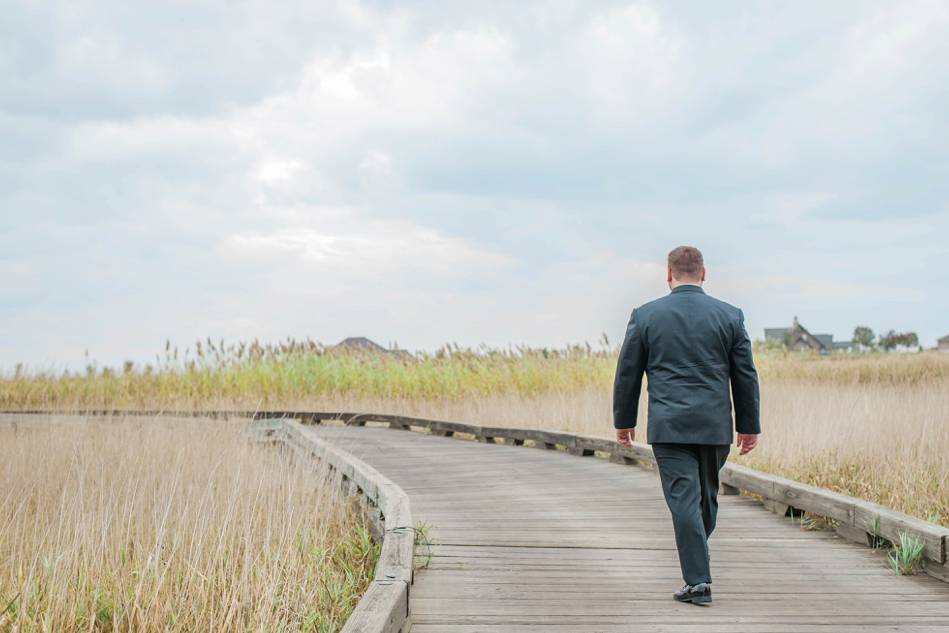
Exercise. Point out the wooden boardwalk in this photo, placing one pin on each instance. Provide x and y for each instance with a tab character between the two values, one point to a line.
528	540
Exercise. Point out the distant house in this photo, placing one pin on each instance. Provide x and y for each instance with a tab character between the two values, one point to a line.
844	346
797	338
942	344
361	344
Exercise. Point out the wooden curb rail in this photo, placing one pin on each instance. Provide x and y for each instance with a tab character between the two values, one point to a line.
384	608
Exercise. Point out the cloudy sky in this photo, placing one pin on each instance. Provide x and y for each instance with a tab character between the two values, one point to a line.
496	172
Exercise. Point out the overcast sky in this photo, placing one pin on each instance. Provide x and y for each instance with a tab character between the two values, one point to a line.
478	172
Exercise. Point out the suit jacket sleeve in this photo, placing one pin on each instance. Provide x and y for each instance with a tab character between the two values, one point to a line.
744	379
629	376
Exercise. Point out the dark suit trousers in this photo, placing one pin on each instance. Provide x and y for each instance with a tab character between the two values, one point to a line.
689	474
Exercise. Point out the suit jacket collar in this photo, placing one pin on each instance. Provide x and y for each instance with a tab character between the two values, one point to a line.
688	288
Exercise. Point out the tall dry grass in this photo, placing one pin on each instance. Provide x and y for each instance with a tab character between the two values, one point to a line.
250	376
170	525
269	376
873	425
882	442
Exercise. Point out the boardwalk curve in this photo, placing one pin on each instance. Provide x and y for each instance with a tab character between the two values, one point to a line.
534	540
527	540
384	606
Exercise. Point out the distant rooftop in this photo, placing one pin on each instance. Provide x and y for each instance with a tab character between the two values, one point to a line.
797	337
363	344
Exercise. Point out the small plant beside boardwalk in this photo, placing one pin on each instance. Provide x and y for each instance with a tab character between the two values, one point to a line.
155	524
423	545
906	556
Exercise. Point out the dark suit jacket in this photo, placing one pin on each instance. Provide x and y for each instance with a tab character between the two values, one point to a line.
691	346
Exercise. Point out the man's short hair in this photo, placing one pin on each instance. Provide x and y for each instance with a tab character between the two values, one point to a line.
686	262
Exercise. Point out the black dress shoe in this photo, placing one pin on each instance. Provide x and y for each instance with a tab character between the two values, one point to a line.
696	594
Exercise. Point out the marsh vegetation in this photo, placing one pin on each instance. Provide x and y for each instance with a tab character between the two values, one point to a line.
157	524
872	425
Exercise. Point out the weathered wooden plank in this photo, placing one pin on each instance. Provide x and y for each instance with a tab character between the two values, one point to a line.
592	607
442	427
394	504
487	589
791	493
781	509
630	624
852	533
383	608
540	438
893	523
394	421
938	571
638	453
395	559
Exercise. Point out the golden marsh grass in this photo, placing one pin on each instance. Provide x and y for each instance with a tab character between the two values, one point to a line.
250	376
156	524
871	425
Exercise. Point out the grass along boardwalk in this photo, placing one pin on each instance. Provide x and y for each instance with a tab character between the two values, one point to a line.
523	539
867	425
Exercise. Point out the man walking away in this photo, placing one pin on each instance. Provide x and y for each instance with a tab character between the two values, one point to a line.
691	347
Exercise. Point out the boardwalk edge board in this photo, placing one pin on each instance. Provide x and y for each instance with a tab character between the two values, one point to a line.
857	520
384	608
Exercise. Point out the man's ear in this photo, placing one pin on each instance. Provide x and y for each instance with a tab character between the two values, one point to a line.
668	274
703	274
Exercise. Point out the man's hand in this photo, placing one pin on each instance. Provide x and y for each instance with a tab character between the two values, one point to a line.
746	442
626	437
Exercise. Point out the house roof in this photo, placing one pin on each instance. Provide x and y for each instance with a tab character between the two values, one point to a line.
363	344
944	339
799	332
360	343
807	335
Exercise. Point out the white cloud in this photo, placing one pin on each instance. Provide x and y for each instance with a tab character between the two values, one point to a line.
633	65
817	288
497	172
380	248
274	172
149	136
788	209
864	83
